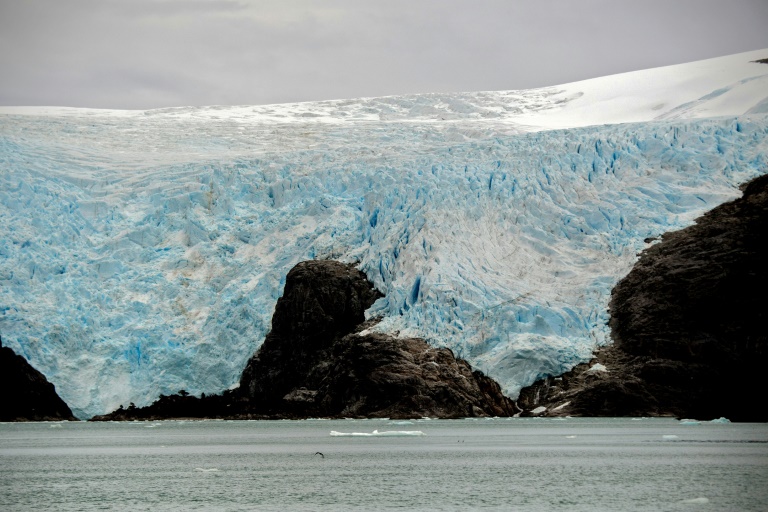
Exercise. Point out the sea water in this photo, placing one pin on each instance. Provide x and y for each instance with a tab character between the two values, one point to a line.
473	464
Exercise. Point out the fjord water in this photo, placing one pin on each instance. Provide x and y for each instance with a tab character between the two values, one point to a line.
493	464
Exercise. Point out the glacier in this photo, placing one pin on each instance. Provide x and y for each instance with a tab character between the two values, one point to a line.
142	252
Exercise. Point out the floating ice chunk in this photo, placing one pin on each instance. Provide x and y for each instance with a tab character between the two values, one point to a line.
376	433
669	436
402	423
721	420
689	422
597	367
570	437
207	470
540	409
695	501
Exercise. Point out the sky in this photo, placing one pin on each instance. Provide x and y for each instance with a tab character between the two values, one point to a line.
141	54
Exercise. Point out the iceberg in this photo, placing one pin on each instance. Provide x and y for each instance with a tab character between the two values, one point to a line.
376	433
143	252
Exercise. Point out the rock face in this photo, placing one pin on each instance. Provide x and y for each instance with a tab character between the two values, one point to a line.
320	360
322	302
688	324
26	393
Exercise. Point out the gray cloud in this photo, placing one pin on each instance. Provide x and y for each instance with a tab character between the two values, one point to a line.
156	53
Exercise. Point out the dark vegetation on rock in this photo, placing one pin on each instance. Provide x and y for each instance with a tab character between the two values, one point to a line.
26	393
319	360
688	324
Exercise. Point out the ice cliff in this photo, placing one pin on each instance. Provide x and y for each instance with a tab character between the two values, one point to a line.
143	252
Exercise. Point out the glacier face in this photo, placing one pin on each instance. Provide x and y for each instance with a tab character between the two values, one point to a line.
143	252
144	256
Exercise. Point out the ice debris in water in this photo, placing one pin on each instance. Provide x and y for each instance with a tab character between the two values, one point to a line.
696	501
376	433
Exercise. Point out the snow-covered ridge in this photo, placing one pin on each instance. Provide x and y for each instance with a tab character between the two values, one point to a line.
731	85
143	252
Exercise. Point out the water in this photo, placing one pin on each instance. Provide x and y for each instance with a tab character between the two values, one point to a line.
498	464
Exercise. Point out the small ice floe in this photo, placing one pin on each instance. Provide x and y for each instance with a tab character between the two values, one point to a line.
56	425
540	409
406	422
376	433
669	436
689	422
570	437
721	420
597	367
207	470
696	501
152	425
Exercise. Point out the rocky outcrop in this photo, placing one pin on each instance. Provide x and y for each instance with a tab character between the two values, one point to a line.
26	394
688	324
314	363
322	302
321	360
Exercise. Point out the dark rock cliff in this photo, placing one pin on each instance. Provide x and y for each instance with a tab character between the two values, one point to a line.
322	301
320	360
688	324
26	393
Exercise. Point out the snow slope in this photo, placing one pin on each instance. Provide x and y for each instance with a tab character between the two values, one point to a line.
142	252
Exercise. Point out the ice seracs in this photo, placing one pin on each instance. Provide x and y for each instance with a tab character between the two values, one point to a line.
143	252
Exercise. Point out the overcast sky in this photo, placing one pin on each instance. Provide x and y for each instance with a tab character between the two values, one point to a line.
161	53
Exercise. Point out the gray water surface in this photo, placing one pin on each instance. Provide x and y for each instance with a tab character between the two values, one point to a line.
494	464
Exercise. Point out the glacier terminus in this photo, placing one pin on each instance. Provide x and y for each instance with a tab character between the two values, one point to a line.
143	252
